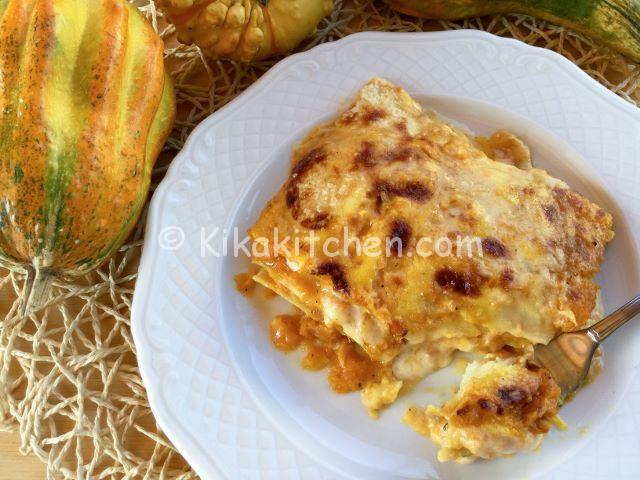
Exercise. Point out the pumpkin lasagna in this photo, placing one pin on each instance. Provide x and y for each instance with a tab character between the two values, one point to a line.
477	251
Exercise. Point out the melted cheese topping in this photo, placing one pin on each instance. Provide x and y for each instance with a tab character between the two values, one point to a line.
387	170
503	406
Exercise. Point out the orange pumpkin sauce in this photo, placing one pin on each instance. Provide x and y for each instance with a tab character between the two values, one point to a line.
245	283
349	369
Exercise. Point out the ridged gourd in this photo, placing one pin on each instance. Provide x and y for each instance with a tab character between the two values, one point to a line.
615	23
86	105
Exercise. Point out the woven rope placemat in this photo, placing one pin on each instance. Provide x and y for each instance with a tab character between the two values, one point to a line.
69	381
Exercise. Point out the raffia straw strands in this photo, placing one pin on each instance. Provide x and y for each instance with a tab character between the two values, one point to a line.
69	382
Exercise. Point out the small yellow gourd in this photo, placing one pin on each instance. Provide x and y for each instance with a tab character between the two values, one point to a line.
245	30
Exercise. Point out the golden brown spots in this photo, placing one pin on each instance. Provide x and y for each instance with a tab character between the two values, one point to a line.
531	403
398	330
550	212
494	247
398	239
581	297
569	200
307	161
336	272
292	195
506	278
474	413
579	250
400	154
512	394
358	224
365	156
461	412
401	126
317	222
532	367
574	294
383	191
371	115
464	283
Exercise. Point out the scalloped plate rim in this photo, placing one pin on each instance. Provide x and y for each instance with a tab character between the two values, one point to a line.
184	442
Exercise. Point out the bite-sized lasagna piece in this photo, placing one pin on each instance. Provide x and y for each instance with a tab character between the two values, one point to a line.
503	406
503	146
478	250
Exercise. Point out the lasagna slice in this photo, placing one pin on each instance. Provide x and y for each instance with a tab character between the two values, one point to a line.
503	406
414	240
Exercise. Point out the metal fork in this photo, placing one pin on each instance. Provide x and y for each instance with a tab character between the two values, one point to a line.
568	356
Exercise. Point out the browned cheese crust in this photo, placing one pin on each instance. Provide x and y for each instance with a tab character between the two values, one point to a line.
388	169
504	405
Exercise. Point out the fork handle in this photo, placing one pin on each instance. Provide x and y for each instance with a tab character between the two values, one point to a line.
611	323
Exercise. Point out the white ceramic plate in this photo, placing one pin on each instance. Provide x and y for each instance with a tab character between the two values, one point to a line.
237	408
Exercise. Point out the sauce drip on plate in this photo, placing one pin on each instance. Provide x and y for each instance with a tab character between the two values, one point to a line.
349	369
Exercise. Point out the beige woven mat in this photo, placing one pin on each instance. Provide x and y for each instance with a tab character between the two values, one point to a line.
69	382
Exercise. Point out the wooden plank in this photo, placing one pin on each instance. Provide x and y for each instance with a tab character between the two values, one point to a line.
14	465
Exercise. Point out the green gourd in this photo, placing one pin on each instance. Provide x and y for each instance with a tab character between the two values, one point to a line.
615	23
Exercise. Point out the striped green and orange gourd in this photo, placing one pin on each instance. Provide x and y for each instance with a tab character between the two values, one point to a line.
85	108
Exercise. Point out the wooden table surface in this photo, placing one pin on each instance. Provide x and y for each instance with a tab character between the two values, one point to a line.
14	465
